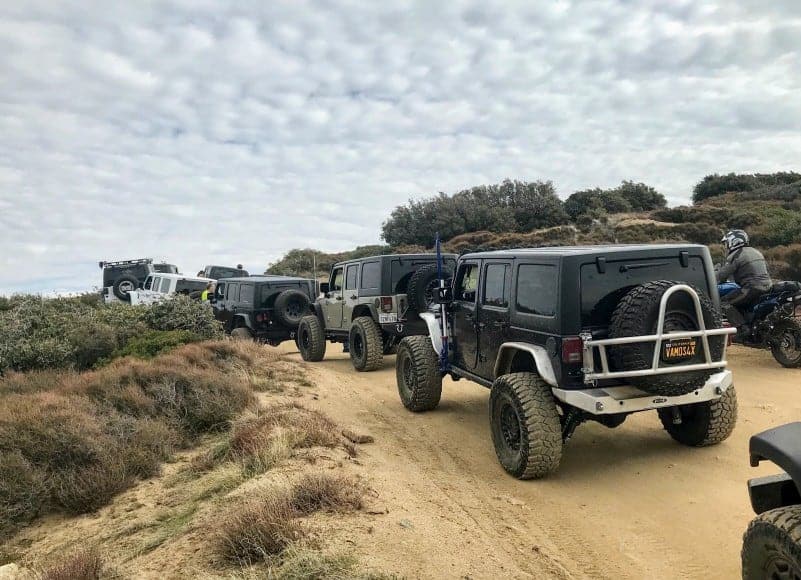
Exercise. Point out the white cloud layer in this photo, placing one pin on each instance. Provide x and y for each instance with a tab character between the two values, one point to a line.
224	132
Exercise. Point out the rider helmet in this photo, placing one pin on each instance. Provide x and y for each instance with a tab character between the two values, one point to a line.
734	240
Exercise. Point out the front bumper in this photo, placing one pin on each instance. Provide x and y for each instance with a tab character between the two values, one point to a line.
627	399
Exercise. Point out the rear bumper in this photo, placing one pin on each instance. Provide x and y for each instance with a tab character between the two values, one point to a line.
627	399
415	327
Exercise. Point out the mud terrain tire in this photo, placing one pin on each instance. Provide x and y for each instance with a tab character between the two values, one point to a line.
366	344
772	545
311	339
637	314
290	307
703	424
123	285
417	374
419	291
525	425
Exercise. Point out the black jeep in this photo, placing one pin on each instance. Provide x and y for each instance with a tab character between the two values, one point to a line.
220	272
265	308
772	544
565	335
370	304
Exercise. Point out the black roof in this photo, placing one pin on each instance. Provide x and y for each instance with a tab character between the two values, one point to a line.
582	250
266	278
394	256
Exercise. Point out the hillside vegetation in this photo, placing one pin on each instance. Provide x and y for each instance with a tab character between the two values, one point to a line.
517	214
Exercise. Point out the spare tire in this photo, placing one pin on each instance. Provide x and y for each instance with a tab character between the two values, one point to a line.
637	314
123	285
290	306
421	290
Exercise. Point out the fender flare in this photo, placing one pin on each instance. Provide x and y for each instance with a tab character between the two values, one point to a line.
538	353
242	317
434	331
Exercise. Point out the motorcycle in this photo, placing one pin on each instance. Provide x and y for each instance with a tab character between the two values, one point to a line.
774	322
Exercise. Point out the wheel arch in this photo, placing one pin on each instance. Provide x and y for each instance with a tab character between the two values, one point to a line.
363	310
241	320
519	356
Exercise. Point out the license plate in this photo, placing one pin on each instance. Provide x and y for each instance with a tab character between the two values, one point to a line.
680	349
388	318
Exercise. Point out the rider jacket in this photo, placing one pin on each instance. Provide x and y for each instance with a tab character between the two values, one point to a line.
748	268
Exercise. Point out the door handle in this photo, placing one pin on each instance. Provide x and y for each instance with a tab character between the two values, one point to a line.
500	324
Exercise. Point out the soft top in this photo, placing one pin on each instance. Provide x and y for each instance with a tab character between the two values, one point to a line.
584	250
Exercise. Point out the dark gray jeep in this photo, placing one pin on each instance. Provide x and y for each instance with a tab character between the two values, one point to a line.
571	334
370	304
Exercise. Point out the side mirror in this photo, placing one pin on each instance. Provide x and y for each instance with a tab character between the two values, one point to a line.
324	287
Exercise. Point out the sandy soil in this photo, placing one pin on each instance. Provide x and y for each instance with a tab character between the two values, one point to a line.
626	503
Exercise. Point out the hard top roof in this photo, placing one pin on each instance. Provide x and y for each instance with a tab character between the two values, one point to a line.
393	256
179	276
581	250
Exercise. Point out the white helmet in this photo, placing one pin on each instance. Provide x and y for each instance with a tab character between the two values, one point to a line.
735	239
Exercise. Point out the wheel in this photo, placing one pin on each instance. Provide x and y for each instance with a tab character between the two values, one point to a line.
417	373
123	285
423	286
702	424
637	315
366	344
290	307
772	545
525	425
786	345
241	333
311	339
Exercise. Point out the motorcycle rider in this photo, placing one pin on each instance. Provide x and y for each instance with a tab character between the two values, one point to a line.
747	266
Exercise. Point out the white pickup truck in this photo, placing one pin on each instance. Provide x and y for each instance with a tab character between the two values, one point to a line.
157	287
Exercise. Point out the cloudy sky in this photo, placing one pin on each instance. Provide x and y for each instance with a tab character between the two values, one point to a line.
220	132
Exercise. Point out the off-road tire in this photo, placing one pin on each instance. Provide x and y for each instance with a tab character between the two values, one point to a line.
419	284
124	280
417	374
531	446
772	545
290	307
792	359
311	339
366	344
637	315
703	424
241	333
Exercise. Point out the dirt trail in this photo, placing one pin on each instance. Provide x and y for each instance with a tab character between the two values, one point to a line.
626	503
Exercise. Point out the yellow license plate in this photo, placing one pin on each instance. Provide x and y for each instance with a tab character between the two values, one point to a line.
679	350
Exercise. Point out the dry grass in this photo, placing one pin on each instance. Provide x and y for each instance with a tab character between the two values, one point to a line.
258	529
83	565
323	491
71	441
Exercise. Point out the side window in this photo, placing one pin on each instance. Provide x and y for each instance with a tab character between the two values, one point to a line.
148	282
336	280
233	293
350	277
495	291
371	276
156	285
219	292
466	283
246	294
165	285
536	289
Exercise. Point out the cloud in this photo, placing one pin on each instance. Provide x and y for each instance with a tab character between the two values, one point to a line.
210	132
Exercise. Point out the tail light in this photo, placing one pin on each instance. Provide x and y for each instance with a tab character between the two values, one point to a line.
262	317
386	304
572	348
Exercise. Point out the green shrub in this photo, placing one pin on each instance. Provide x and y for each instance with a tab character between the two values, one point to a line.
155	342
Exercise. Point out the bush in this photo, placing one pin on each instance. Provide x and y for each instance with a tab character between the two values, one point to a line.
327	492
85	564
155	342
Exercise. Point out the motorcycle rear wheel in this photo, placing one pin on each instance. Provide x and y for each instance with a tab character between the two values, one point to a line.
786	344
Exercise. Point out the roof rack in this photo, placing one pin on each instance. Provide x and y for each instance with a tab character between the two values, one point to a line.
104	264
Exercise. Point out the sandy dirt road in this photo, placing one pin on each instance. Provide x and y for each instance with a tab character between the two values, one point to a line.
626	503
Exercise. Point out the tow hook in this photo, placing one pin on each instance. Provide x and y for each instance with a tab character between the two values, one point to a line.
572	419
676	416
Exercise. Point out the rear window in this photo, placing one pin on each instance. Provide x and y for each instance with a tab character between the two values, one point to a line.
222	272
187	286
536	289
600	292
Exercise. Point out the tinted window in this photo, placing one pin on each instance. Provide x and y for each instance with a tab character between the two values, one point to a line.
246	294
188	286
220	291
165	285
350	277
148	283
466	283
495	291
336	280
156	284
233	292
371	275
536	289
